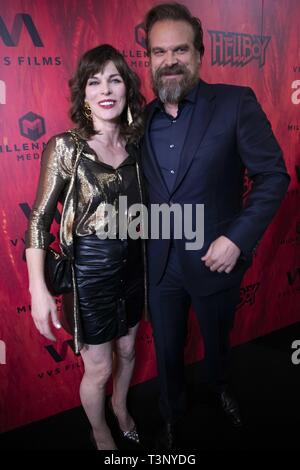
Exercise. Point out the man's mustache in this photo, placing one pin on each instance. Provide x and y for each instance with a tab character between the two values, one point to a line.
174	70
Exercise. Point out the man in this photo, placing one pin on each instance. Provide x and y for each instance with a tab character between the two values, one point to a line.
199	140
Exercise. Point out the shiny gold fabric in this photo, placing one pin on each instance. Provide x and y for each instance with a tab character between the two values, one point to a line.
82	193
96	186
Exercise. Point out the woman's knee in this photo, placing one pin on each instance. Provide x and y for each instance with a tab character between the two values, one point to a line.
126	351
99	373
98	369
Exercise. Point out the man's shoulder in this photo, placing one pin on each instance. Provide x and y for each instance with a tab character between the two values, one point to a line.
226	93
226	88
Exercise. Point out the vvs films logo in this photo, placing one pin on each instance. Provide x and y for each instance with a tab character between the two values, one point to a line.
23	31
12	39
237	49
32	126
60	356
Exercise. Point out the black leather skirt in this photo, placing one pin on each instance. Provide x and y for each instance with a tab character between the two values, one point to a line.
109	276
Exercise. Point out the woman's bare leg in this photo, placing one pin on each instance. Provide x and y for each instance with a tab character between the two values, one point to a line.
124	361
97	370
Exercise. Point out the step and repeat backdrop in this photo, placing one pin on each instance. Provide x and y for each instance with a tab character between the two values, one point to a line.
253	43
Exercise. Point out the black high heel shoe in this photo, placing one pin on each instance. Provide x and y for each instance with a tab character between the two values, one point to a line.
131	435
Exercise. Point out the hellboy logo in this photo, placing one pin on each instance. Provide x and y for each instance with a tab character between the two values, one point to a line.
237	49
247	294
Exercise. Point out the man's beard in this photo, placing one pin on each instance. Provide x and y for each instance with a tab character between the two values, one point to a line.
172	91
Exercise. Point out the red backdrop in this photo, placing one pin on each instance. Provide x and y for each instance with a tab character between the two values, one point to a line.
250	43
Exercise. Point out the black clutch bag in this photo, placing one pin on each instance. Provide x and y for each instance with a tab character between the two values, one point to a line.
58	273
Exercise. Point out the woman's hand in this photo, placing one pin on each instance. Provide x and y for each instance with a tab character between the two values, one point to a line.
43	306
43	309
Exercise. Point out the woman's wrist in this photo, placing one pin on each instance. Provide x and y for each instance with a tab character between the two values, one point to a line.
37	286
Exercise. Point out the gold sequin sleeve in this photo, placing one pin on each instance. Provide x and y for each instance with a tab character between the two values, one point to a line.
55	174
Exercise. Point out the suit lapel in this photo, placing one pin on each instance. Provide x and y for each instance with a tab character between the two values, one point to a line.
201	117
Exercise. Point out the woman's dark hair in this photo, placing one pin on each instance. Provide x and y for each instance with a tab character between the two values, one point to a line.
91	63
175	12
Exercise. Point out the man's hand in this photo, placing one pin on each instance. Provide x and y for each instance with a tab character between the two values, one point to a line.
222	255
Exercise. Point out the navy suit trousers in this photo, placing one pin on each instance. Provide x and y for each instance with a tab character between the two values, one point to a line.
169	303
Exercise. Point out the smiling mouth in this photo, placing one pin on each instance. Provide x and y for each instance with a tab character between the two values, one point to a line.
107	104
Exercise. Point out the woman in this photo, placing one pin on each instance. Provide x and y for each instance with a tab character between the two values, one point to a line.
109	273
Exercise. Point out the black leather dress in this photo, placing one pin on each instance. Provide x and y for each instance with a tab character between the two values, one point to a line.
109	277
109	272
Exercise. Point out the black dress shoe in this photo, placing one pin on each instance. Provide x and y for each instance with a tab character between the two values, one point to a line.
229	406
165	439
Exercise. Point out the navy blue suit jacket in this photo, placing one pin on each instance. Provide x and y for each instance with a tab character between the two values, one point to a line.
228	133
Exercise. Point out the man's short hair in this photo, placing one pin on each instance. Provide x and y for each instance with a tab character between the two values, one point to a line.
174	12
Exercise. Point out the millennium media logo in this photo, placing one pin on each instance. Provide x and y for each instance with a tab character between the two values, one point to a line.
32	126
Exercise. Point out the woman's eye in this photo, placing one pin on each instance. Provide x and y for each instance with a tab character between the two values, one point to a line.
94	82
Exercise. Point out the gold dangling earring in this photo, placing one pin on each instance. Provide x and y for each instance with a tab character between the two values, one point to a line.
87	111
129	116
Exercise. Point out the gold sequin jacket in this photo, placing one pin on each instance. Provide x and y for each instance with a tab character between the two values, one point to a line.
80	192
